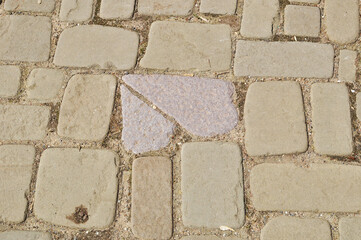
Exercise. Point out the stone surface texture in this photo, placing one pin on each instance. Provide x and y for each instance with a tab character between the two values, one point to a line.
24	235
358	106
9	80
76	10
79	47
188	46
304	1
165	7
283	59
88	119
347	66
112	9
209	237
218	7
212	185
319	188
144	129
24	38
350	228
202	106
274	119
302	21
16	162
70	180
331	119
45	6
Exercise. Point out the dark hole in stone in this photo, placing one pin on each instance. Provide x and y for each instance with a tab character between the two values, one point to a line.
80	215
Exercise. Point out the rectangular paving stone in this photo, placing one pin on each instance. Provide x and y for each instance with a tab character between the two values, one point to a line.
165	7
76	10
15	173
258	18
350	228
304	1
284	59
275	119
45	6
212	185
152	198
24	235
188	46
24	38
9	80
23	122
320	188
347	66
287	228
209	237
358	106
122	9
80	47
77	188
331	119
302	21
218	7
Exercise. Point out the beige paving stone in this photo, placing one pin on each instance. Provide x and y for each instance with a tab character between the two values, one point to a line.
302	21
286	228
274	119
9	80
347	66
258	18
212	185
188	46
209	237
89	118
304	1
79	47
165	7
350	228
110	9
44	84
23	122
29	5
15	173
24	235
358	106
331	119
77	188
75	10
24	38
284	59
152	198
320	188
218	7
342	20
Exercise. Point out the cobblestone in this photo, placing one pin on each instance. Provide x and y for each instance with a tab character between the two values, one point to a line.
165	7
208	169
209	238
29	5
358	106
77	188
22	235
302	21
188	46
9	80
75	10
152	198
331	119
347	66
15	173
218	7
304	1
111	9
350	228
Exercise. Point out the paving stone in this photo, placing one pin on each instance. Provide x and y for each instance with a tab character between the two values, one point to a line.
284	59
209	238
23	122
29	5
24	235
88	119
304	1
165	7
258	18
9	80
218	7
358	106
202	106
123	9
212	185
75	10
275	119
152	198
44	84
350	228
302	21
331	119
321	187
347	66
79	47
342	20
15	174
24	38
77	188
285	228
188	46
144	129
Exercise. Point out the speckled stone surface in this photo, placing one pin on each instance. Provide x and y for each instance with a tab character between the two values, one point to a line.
24	235
9	80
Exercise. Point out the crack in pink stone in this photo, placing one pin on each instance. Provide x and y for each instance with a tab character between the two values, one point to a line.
203	106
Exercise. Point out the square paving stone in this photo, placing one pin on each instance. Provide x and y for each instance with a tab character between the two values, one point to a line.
89	118
9	80
350	228
24	235
212	185
347	66
218	7
275	119
15	173
45	6
165	7
76	10
110	9
77	188
302	21
152	198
